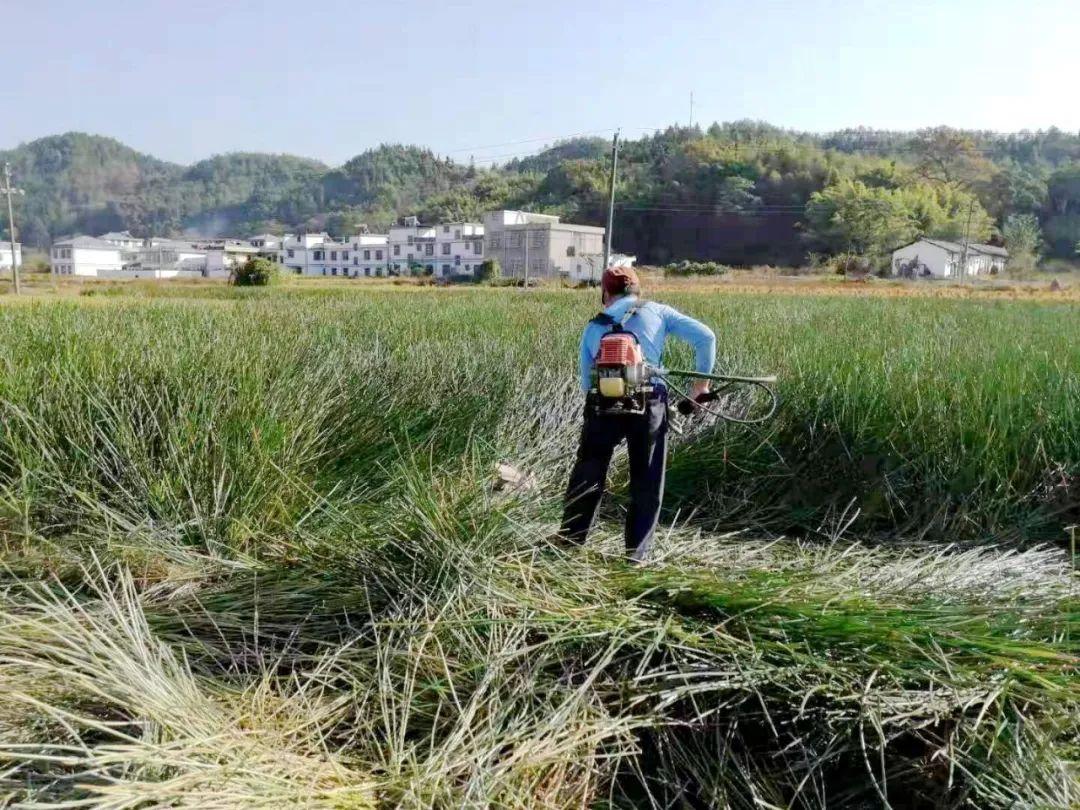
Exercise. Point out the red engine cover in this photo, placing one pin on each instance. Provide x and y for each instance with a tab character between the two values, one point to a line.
618	349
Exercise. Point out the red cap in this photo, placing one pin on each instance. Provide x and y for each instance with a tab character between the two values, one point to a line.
616	279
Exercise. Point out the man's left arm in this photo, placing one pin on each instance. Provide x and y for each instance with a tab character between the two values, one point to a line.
585	361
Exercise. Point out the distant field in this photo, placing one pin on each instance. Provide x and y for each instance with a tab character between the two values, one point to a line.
280	572
773	280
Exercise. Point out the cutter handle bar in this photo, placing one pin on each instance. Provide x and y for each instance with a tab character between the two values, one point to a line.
769	380
761	382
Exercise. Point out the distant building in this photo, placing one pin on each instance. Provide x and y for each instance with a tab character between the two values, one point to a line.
122	239
266	241
447	250
5	255
551	248
85	256
938	258
159	257
412	246
370	253
296	252
222	256
123	256
459	249
317	254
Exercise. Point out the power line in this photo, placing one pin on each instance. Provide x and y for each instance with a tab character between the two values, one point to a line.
752	212
709	207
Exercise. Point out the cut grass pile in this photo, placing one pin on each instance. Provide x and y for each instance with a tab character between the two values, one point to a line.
254	558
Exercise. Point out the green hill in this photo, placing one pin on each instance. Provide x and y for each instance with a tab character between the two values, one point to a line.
741	192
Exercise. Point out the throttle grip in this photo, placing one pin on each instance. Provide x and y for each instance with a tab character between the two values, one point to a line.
686	408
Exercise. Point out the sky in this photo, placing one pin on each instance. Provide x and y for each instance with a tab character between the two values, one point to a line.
493	80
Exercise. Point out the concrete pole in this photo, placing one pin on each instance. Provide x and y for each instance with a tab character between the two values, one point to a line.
967	231
611	200
11	227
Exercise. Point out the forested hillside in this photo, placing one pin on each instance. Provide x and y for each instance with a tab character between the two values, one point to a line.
742	192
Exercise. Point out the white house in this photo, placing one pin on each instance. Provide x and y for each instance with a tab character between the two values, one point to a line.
316	254
370	255
266	241
329	258
590	267
85	256
459	249
159	257
94	257
938	258
412	245
224	255
5	254
122	239
296	252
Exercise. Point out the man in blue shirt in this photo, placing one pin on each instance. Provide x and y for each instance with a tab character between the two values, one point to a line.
646	433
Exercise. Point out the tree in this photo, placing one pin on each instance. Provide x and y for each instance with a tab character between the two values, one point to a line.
949	157
1023	238
850	216
1063	190
256	272
1062	233
489	269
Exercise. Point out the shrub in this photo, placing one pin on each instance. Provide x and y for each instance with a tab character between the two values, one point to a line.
689	268
256	272
851	264
489	269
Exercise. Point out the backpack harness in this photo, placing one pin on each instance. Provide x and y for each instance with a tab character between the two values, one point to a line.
620	379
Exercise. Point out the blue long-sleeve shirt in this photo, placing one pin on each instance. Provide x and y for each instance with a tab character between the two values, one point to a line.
652	323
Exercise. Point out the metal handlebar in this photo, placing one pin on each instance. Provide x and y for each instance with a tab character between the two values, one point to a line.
764	383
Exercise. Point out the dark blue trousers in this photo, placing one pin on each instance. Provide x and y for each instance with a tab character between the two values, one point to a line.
646	447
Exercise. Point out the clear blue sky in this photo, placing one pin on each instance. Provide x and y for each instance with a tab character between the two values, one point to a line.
328	79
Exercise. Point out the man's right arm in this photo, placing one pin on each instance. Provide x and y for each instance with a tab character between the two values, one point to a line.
696	334
701	338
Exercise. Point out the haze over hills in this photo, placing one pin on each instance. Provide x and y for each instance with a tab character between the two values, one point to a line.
742	192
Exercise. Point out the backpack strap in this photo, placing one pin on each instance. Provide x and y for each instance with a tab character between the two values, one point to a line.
603	319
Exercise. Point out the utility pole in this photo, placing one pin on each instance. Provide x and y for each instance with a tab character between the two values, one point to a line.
526	243
8	190
967	230
691	109
611	200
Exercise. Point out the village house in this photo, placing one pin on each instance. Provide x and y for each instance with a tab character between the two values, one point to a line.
85	256
370	255
448	250
122	239
123	256
938	258
459	249
549	247
412	246
5	255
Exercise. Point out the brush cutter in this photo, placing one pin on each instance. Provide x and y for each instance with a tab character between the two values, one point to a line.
622	382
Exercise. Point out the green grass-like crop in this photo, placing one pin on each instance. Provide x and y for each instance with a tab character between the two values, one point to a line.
253	557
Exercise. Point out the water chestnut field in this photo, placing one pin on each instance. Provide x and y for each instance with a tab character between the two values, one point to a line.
255	553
